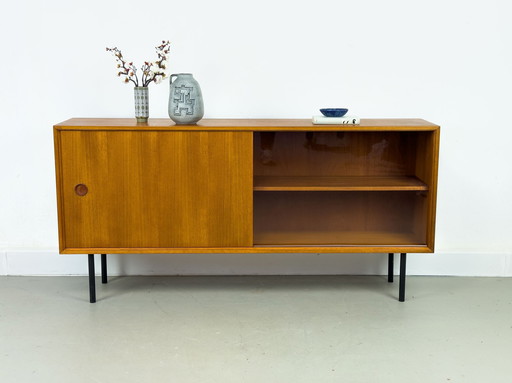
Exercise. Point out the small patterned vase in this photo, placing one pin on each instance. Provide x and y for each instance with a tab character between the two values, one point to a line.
141	94
185	99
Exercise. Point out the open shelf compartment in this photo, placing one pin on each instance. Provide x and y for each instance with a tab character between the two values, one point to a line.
359	218
345	188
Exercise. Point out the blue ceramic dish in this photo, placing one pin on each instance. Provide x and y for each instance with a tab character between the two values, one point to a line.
334	112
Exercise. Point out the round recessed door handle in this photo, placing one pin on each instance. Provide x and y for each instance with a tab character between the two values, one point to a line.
81	190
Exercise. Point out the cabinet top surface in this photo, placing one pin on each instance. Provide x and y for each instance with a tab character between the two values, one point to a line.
241	124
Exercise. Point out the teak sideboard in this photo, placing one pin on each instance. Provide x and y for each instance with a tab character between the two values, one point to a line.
246	186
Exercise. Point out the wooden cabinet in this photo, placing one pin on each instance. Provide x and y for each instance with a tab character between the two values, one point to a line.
246	186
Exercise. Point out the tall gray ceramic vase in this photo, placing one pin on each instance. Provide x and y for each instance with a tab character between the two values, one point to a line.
141	94
185	99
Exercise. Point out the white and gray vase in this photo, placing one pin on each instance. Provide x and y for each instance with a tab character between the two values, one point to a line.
141	94
185	99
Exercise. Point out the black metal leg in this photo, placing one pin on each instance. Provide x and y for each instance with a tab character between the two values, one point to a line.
391	266
104	268
92	284
401	287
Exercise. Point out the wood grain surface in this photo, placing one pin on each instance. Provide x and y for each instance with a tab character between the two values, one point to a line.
156	189
347	183
243	125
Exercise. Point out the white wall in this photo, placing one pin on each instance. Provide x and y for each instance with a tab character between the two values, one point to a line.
449	62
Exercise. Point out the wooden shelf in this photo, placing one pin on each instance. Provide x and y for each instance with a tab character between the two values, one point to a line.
358	183
337	238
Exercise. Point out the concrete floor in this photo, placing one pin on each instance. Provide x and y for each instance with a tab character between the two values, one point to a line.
255	329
